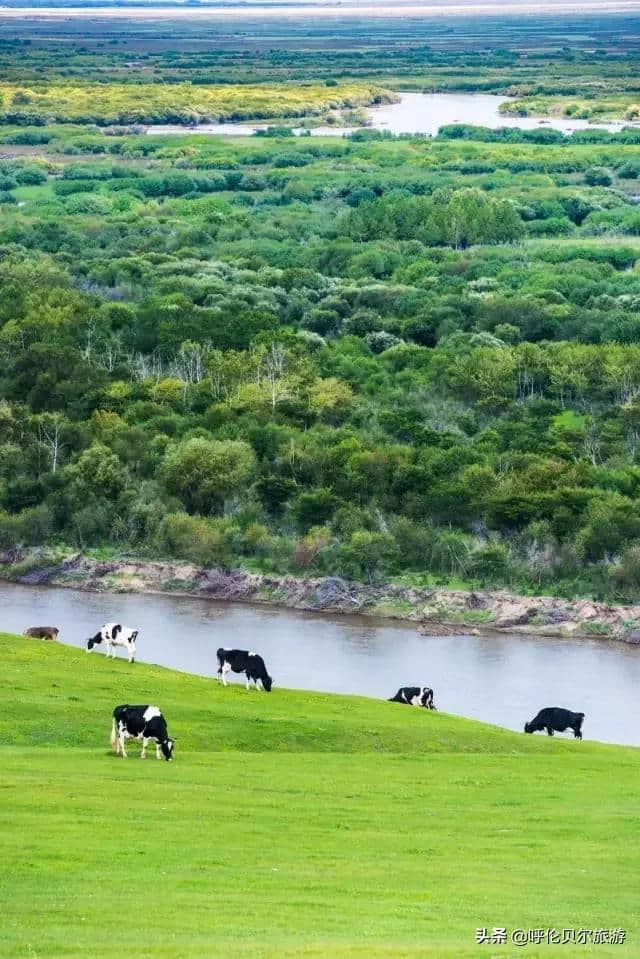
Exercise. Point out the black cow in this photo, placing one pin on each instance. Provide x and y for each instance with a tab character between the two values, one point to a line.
414	696
554	717
141	722
241	661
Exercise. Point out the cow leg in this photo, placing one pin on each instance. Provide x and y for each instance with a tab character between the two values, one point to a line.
248	682
114	738
225	669
158	753
123	751
549	731
132	653
144	748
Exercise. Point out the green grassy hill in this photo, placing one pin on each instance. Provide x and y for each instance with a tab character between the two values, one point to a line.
294	824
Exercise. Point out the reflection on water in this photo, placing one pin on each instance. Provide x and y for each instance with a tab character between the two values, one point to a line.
500	679
415	113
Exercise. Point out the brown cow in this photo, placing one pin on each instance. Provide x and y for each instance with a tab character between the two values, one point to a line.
42	632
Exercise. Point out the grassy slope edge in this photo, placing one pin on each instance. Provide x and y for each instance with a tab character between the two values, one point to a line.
295	824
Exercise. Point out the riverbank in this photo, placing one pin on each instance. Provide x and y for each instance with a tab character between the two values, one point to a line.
435	611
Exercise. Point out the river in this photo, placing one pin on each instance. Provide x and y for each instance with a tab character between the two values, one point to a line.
413	113
500	679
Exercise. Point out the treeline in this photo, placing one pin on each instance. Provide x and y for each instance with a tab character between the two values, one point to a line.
476	459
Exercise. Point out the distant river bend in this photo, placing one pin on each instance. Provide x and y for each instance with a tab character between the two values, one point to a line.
413	113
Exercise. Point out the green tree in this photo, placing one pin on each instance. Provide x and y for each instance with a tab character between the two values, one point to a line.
205	473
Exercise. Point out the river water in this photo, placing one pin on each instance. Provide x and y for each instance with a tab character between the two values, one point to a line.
500	679
414	113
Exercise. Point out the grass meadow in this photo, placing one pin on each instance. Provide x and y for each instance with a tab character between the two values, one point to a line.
294	824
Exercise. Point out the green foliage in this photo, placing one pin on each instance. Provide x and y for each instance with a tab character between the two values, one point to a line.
375	356
205	473
125	103
598	176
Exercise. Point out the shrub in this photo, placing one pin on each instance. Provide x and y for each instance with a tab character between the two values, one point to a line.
598	176
490	564
368	555
310	546
31	527
193	538
314	508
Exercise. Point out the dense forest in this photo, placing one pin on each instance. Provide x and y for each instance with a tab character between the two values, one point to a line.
371	356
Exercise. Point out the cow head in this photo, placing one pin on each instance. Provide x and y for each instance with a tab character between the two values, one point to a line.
267	682
167	749
94	641
528	728
426	699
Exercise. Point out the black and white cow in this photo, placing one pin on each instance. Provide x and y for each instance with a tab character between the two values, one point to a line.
112	635
414	696
141	722
240	661
555	717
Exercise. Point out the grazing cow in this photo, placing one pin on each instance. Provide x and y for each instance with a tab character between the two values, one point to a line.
240	661
141	722
42	632
414	696
112	635
554	717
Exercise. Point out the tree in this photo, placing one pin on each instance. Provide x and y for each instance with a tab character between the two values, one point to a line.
51	429
330	398
205	473
314	508
368	554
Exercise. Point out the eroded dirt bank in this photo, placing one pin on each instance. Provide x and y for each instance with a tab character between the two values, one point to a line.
434	610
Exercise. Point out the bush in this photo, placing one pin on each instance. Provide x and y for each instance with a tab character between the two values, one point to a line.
598	176
451	554
30	176
31	527
415	543
367	555
92	525
490	564
205	473
626	575
193	538
314	508
307	549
